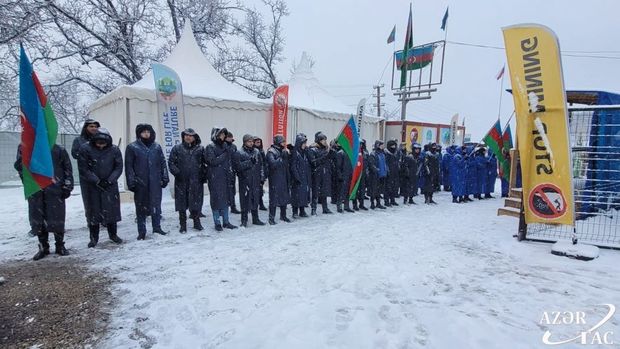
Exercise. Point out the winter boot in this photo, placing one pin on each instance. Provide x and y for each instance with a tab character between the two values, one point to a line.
227	225
347	207
159	230
488	196
295	210
355	208
60	244
183	222
255	219
426	199
302	212
361	206
379	206
393	202
372	204
283	214
325	208
244	219
112	233
218	227
233	209
201	215
467	199
454	200
197	225
261	205
94	235
313	211
44	250
339	208
430	199
411	202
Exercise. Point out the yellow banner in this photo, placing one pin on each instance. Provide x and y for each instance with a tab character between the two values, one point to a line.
414	135
542	123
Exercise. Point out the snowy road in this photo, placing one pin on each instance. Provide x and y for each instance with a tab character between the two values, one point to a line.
439	277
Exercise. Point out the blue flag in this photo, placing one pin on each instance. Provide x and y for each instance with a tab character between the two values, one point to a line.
444	21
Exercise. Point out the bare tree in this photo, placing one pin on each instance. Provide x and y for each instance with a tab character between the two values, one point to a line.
253	67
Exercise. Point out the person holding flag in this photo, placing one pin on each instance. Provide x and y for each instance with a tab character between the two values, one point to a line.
43	166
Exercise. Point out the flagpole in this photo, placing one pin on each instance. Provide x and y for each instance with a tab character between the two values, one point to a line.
501	87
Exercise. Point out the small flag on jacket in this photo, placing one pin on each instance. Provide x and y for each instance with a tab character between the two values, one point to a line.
501	73
392	36
39	130
444	21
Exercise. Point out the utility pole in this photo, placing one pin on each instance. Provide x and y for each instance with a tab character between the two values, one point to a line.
378	95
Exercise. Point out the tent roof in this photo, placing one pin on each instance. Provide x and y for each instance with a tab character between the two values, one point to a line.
305	91
198	77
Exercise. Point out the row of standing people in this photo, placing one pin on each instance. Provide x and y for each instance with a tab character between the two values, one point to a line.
298	175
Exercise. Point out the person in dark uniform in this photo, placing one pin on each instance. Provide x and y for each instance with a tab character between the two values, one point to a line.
279	179
46	207
301	175
146	174
430	171
218	157
189	171
248	164
101	164
320	163
258	144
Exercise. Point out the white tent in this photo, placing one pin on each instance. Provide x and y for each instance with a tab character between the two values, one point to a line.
210	100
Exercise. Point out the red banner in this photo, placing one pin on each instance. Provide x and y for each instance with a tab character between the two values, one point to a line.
280	111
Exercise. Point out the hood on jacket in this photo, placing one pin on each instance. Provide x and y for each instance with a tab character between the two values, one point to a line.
278	139
391	146
102	134
377	144
319	136
191	132
216	132
87	122
363	145
300	139
142	127
261	143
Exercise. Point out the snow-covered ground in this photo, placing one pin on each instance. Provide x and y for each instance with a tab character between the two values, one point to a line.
440	276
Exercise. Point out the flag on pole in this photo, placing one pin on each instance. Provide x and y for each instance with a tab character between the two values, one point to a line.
444	21
501	73
408	46
494	141
506	146
39	129
392	36
349	140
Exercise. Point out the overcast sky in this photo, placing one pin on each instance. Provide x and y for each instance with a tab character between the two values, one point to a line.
347	40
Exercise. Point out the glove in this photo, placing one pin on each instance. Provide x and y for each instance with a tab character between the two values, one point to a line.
66	192
103	185
164	184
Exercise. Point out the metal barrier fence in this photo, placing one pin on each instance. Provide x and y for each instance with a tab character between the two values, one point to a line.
8	151
595	151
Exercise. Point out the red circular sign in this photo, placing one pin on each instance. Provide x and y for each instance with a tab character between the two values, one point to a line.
547	201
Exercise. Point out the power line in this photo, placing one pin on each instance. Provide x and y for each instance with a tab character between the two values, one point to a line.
564	53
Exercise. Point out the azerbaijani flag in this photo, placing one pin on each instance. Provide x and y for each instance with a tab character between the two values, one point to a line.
349	140
408	46
39	129
493	140
507	145
417	58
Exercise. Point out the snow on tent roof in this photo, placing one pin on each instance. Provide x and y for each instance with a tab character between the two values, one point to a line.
198	77
305	91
